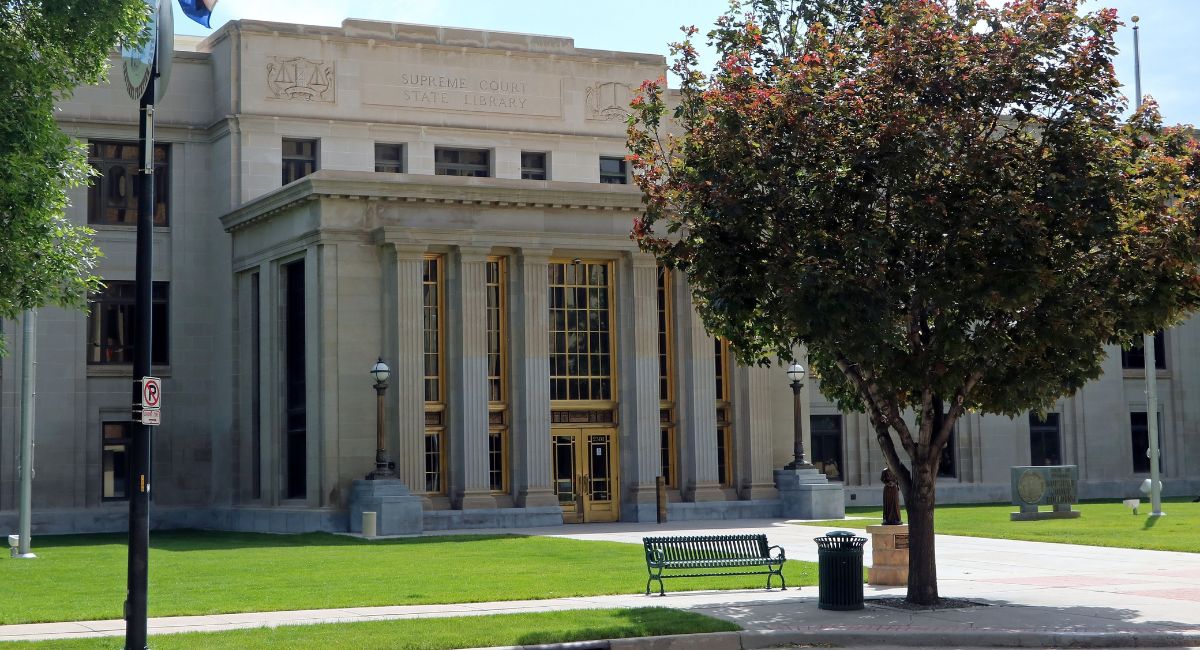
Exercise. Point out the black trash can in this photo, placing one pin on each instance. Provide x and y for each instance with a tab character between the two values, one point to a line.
840	570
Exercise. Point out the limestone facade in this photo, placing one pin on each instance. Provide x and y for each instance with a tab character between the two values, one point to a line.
283	295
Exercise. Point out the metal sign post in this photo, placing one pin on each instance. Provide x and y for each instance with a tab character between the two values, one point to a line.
141	69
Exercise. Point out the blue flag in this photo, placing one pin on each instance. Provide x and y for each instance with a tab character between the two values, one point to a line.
198	10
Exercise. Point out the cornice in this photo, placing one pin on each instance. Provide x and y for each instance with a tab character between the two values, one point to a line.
439	190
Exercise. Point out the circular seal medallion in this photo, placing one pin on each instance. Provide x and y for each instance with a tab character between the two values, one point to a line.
1031	486
139	60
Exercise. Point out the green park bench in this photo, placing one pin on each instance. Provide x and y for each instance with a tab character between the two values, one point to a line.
696	554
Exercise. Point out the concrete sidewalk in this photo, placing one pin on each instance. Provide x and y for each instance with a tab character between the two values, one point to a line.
1031	595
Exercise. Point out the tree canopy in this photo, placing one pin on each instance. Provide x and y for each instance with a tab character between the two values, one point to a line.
47	49
939	199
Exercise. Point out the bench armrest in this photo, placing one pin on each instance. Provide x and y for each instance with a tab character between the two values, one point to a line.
781	554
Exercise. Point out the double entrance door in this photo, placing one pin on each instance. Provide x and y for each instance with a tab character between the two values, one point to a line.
585	474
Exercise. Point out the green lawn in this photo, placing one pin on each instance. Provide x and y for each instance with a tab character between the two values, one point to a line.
1102	523
431	633
82	577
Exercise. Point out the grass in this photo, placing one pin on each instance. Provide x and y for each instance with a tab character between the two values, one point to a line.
430	633
1102	523
82	577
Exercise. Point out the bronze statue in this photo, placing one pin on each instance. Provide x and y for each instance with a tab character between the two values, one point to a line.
891	499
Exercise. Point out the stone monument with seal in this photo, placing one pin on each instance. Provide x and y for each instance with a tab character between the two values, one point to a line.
889	541
1048	485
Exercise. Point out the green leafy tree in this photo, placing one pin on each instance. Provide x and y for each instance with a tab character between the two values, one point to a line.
47	49
938	199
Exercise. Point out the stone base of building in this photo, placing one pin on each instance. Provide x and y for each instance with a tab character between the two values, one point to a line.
889	555
494	518
397	511
807	494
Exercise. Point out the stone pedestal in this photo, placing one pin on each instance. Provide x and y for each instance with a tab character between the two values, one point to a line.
1032	513
398	512
807	494
889	555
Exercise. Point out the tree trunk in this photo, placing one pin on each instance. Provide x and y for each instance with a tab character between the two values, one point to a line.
922	566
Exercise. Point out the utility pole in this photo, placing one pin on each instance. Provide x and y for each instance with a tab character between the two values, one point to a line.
1148	340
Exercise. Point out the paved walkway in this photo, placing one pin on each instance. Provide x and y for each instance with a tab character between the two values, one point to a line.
1036	595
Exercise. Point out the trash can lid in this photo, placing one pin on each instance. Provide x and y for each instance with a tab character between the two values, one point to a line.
839	533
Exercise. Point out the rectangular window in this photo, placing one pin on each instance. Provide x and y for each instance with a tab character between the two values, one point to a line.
724	410
1045	440
295	443
948	464
255	388
1140	437
826	436
462	162
113	194
389	158
496	306
299	159
432	327
580	331
118	445
1134	357
533	166
435	462
668	451
112	324
613	170
433	346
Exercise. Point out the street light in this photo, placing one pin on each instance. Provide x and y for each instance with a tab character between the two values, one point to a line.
795	372
383	469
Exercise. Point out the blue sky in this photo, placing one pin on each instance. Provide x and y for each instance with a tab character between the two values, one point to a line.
1169	29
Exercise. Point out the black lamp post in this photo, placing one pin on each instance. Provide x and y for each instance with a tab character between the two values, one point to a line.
795	372
383	469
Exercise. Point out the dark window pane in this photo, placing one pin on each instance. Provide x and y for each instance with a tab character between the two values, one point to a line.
612	170
462	162
299	159
112	324
1134	357
113	194
1045	440
389	158
533	166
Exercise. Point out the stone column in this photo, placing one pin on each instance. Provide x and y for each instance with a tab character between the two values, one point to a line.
697	404
637	313
530	339
467	301
403	333
752	428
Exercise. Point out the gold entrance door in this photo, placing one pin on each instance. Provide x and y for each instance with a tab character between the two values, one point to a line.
585	474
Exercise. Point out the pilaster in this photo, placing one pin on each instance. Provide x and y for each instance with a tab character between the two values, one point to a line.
530	329
697	397
403	336
637	311
468	371
753	431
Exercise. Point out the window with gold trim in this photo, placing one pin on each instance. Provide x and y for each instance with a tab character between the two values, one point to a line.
580	331
496	309
724	414
433	330
668	451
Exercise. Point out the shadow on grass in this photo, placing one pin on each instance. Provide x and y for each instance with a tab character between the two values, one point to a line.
642	621
184	540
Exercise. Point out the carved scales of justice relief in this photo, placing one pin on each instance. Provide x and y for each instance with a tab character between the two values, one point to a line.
301	79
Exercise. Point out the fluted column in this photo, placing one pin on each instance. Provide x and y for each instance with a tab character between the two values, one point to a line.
468	370
752	391
698	398
404	333
637	311
531	378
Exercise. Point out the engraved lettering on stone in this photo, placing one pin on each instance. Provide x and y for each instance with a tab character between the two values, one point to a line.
464	90
301	79
901	542
608	101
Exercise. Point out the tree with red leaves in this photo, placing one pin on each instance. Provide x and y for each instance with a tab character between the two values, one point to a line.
938	199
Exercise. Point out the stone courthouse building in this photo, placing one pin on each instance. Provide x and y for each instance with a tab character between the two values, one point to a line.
457	203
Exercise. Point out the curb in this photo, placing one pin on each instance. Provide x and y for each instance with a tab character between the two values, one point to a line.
763	639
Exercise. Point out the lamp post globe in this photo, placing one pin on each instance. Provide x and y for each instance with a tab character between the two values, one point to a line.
383	467
795	372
